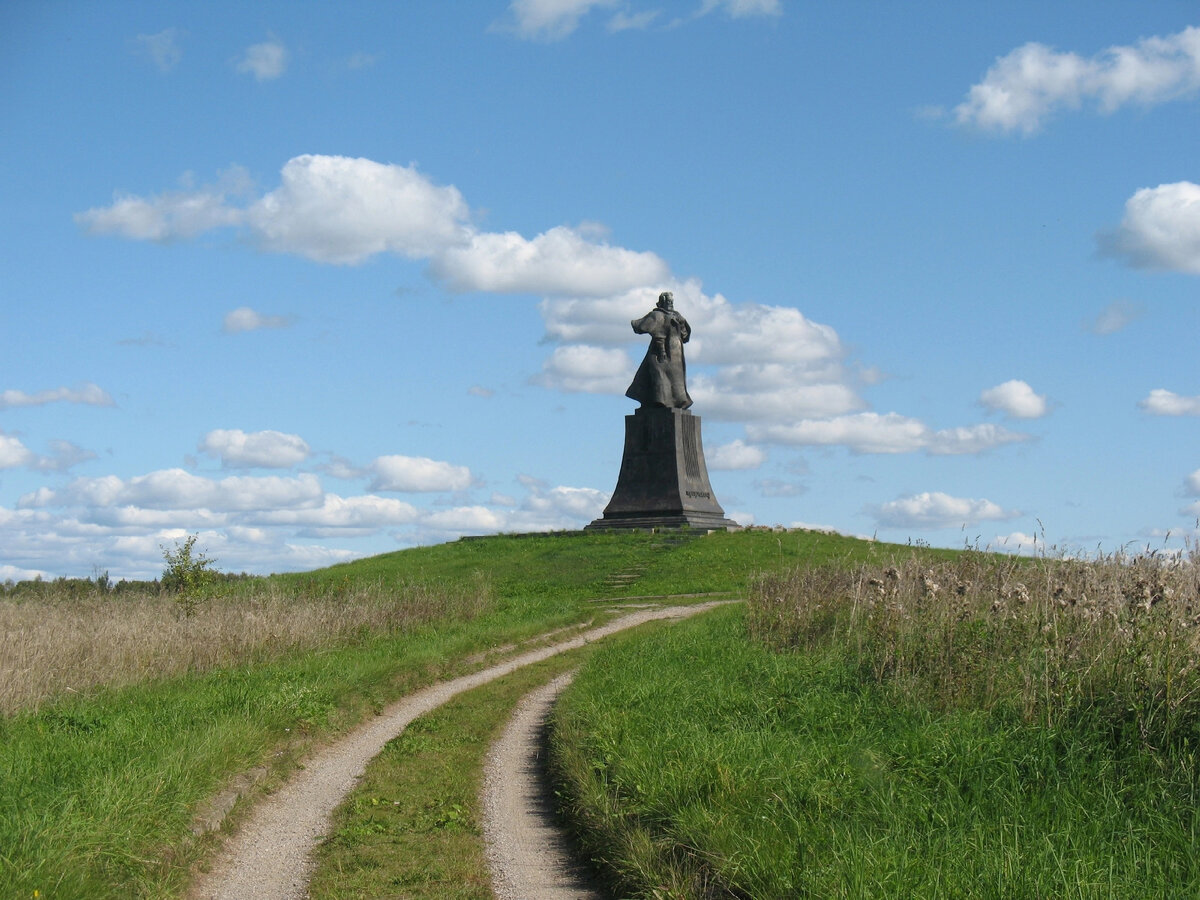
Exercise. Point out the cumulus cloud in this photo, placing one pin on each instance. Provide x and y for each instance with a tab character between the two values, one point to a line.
63	455
1192	484
735	455
366	512
871	432
417	474
558	261
1160	229
246	319
1027	86
771	362
266	61
266	449
1162	402
937	510
13	453
342	210
579	368
162	48
1016	542
176	489
1016	399
87	394
465	520
171	215
336	209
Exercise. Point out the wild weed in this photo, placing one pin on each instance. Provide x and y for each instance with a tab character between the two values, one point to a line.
1055	641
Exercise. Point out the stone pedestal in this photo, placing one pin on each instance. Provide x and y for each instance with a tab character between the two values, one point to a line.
664	480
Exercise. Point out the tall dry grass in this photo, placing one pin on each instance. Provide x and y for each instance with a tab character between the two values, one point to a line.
52	645
1113	641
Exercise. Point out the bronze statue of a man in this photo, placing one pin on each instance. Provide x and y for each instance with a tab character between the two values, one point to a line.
661	379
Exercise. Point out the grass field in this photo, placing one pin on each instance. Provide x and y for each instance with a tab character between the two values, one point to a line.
123	716
969	726
877	723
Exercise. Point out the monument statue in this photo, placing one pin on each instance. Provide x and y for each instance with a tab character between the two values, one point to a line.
663	482
661	379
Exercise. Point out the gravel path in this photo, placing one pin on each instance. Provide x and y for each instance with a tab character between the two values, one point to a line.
528	854
270	857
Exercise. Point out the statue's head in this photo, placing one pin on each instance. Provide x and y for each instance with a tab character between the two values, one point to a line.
666	300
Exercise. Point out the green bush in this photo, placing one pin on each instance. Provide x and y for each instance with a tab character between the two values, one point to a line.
188	575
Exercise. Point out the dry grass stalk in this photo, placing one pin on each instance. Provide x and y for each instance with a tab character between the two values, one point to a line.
1117	637
51	645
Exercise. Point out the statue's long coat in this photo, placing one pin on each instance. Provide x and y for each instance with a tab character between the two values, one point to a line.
661	379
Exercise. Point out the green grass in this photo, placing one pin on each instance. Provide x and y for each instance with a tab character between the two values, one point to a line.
98	792
698	763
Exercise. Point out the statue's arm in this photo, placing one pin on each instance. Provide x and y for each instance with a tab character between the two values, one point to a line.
644	325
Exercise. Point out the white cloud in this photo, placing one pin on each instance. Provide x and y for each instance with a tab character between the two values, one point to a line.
265	61
268	449
551	20
772	363
1016	399
336	209
366	511
13	573
971	439
1115	317
417	474
558	261
171	215
1161	402
86	394
1160	229
64	455
937	510
14	454
1192	484
1016	542
246	319
726	397
465	520
735	455
175	489
579	368
162	48
1025	87
871	432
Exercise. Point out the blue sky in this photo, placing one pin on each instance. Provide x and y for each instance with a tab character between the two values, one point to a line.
316	280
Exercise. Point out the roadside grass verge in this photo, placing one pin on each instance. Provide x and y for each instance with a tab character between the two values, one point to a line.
697	761
413	826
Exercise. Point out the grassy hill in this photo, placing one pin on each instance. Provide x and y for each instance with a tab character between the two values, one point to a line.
124	712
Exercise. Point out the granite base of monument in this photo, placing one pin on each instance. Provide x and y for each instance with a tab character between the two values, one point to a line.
664	480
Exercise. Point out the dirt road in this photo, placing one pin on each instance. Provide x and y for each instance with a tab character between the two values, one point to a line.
270	857
527	853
